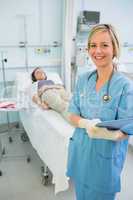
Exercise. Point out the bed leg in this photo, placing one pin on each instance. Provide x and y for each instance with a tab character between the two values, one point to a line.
45	175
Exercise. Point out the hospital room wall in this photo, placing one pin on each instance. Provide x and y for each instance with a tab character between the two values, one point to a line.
119	13
30	36
36	24
110	12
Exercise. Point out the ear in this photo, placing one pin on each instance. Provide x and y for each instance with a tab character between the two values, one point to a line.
45	76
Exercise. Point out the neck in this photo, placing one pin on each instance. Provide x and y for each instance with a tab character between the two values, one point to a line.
104	74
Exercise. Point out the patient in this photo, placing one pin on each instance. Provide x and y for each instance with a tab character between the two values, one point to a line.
49	94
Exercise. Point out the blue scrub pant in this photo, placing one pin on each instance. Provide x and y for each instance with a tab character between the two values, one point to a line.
85	193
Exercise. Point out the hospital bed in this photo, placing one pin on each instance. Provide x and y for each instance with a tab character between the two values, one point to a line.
49	134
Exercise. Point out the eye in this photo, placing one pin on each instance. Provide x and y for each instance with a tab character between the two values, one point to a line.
105	45
92	46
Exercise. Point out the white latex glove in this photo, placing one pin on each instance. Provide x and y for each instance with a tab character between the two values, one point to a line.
98	132
103	133
87	124
44	105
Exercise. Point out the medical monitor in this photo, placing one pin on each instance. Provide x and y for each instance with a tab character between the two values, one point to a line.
91	17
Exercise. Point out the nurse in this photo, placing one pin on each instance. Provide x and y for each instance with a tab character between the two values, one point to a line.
96	155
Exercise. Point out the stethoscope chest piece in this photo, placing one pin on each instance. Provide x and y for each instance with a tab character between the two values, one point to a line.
106	98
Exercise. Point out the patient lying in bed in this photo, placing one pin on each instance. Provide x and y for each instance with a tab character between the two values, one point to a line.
49	94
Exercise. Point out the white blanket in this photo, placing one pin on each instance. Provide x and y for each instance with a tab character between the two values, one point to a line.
49	134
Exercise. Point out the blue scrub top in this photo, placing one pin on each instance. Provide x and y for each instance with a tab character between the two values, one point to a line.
97	163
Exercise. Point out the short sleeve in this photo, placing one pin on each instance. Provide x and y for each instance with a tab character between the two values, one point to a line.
125	107
74	106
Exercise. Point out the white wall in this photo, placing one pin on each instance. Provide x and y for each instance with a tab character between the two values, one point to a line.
119	13
12	24
43	22
11	21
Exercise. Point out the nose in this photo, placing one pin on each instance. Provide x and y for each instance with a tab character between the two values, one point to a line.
98	49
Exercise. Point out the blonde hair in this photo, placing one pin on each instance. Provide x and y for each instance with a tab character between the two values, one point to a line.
114	37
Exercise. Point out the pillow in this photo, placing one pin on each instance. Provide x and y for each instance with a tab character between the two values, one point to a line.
23	85
23	80
54	76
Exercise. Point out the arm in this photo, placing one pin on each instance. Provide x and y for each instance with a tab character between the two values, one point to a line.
80	122
103	133
126	107
44	105
36	99
74	119
96	132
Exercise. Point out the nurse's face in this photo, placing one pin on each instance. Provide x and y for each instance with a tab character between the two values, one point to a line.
40	75
101	49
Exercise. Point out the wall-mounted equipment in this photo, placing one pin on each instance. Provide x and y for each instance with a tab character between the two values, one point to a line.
91	17
87	19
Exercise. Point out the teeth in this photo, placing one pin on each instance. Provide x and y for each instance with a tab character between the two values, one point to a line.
99	57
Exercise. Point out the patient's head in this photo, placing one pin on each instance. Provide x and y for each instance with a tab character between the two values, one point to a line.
38	74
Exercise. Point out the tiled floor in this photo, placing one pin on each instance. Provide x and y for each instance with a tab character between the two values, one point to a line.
22	180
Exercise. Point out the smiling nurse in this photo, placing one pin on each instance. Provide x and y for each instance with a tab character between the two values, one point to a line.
96	155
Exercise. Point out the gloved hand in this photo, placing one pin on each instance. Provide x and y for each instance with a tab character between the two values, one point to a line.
103	133
44	105
98	132
87	124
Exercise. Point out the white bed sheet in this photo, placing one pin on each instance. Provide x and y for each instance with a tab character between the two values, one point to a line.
49	134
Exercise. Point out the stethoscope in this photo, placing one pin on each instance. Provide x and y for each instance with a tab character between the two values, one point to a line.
106	97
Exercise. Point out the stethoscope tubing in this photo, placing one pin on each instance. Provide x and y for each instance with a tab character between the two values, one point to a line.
106	96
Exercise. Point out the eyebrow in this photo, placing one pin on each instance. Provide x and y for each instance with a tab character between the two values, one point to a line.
100	42
38	71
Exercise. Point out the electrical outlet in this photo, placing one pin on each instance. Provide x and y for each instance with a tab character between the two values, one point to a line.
39	50
42	50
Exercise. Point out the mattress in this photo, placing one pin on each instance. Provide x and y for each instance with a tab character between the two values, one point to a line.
49	134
